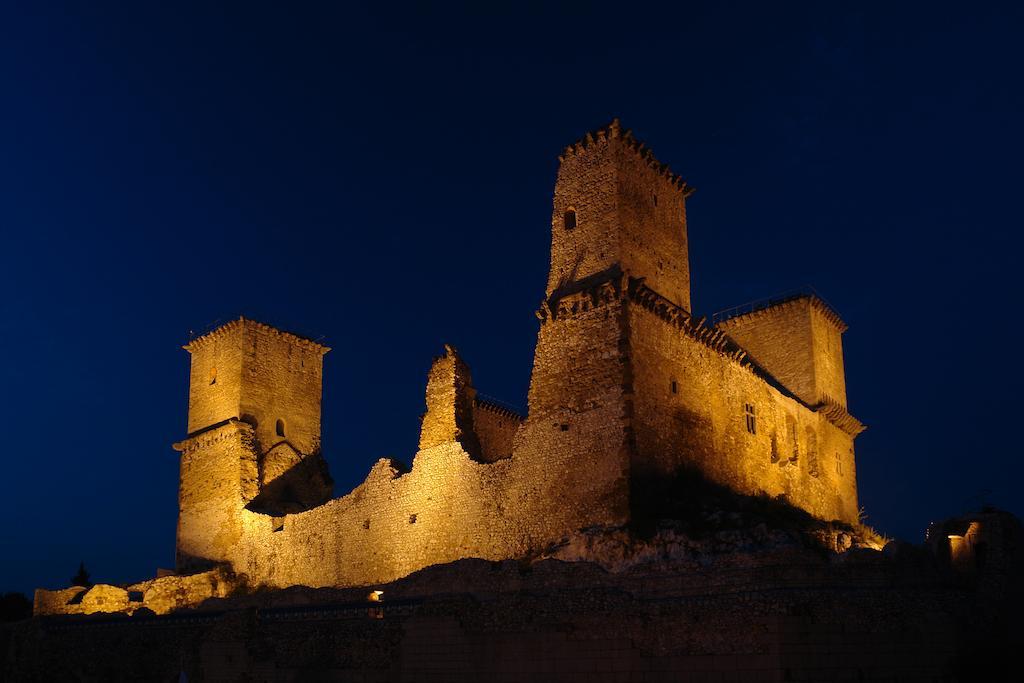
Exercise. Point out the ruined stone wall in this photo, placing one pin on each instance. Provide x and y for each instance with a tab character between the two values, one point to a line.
449	506
568	469
450	404
691	408
161	595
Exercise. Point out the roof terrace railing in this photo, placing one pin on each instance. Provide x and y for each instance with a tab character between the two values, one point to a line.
768	302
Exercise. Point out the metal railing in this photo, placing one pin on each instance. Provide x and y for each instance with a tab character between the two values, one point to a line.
768	302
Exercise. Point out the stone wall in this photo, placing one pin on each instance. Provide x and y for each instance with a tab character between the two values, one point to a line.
692	407
495	428
162	595
219	475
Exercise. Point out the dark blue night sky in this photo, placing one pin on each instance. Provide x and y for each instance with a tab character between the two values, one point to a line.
383	177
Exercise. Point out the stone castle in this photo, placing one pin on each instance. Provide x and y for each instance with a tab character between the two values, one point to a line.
679	503
628	389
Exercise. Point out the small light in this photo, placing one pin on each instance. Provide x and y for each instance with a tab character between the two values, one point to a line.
375	596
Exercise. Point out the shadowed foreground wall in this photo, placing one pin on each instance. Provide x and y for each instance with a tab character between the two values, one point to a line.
785	617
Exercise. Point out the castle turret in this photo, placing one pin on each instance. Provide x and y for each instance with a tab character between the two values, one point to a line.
798	339
259	375
253	434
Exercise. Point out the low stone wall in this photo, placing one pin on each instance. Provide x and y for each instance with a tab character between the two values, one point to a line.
792	616
161	595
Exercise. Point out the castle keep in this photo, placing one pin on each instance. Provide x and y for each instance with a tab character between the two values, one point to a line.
629	388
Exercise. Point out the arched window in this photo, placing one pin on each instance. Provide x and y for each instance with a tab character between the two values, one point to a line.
280	428
570	219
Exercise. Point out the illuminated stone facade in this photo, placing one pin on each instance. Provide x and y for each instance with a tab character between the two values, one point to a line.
628	389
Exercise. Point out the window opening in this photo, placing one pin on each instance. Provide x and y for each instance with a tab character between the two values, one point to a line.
751	417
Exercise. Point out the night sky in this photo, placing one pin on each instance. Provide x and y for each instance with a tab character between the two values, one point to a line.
383	178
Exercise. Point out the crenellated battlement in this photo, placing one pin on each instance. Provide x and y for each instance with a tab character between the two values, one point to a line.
614	131
763	307
234	325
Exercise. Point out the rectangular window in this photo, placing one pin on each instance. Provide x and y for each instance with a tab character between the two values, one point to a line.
751	415
674	387
791	435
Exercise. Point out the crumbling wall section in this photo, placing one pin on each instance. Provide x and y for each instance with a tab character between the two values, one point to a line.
568	470
161	595
450	404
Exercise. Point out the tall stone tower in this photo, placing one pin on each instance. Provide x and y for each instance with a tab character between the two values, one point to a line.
615	205
253	434
620	352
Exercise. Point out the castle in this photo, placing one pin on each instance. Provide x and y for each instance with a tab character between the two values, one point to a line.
645	423
628	389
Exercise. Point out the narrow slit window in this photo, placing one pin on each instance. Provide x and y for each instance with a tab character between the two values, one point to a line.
791	436
812	452
674	387
570	219
280	428
750	414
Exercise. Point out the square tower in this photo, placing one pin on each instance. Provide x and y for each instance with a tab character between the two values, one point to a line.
260	375
615	205
799	340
